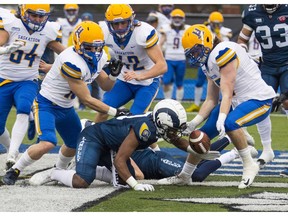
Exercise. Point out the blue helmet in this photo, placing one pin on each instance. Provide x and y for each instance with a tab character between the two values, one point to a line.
87	17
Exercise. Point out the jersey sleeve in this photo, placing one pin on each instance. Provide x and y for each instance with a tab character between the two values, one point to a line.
247	15
70	70
54	32
6	19
225	56
147	36
145	132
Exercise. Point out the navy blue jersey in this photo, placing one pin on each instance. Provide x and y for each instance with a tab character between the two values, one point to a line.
112	133
271	30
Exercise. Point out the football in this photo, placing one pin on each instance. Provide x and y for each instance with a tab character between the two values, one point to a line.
199	142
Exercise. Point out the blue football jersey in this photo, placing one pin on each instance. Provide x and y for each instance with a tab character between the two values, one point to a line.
271	30
114	131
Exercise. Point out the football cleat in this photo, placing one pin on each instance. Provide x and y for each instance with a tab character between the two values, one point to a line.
265	157
175	180
193	108
11	176
284	173
41	177
248	176
9	163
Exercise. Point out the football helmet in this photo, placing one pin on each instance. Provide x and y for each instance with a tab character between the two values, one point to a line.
197	42
87	17
35	16
170	119
177	17
117	14
166	9
216	20
270	8
71	11
88	41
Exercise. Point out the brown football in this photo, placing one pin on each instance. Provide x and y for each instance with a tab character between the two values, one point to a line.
199	142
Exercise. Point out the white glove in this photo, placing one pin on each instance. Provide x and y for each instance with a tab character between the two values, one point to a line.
191	126
143	187
11	48
220	125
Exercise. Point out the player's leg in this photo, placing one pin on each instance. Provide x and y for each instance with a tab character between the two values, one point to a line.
179	79
247	113
167	80
118	96
6	102
47	137
23	97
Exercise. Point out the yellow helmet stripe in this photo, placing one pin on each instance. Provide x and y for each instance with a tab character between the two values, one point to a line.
252	115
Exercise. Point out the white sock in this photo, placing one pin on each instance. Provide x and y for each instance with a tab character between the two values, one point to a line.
103	174
63	161
179	94
188	169
198	94
24	161
31	116
5	139
63	176
227	157
18	132
264	130
168	94
246	156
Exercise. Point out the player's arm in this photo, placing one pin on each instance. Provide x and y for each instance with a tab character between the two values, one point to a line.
138	173
80	89
163	39
104	81
244	36
4	36
227	83
56	46
126	149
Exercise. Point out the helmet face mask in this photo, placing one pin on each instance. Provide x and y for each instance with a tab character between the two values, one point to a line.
270	8
177	17
71	11
120	19
197	55
92	52
170	119
35	17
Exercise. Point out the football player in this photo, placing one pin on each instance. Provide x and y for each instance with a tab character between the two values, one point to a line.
171	35
23	39
70	21
246	98
269	23
72	70
124	135
215	24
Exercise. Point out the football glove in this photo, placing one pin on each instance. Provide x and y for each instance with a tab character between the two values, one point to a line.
122	112
278	100
11	48
143	187
115	67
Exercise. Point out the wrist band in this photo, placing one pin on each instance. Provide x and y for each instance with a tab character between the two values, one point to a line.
131	181
113	78
112	111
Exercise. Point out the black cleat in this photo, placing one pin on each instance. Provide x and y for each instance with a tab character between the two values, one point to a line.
11	176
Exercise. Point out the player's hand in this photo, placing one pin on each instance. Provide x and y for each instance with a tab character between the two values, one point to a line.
45	67
115	66
143	187
191	126
220	125
210	155
12	47
122	112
